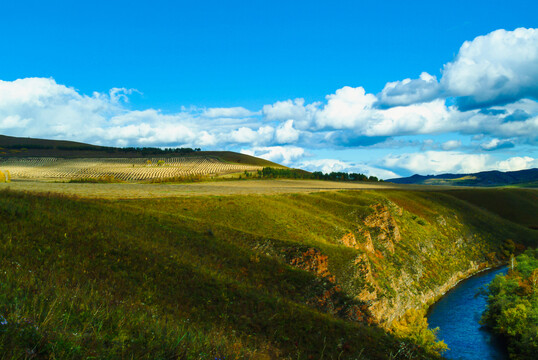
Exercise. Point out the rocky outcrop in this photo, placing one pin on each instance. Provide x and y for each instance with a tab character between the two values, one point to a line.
384	226
328	295
312	260
397	262
387	313
365	243
381	225
381	228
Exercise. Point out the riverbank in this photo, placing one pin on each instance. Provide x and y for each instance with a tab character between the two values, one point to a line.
512	306
480	270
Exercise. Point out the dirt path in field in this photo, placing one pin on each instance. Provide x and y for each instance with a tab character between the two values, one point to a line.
245	187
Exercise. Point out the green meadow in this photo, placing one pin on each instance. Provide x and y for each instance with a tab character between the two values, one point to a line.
288	276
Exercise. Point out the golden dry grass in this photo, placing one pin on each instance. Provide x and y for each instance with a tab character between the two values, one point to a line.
217	188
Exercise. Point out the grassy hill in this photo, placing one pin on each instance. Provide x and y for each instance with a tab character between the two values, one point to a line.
519	206
291	276
29	147
37	159
522	178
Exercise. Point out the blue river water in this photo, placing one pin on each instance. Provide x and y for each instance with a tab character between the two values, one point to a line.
457	315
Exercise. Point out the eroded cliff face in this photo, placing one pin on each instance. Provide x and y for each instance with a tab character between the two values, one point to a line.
372	256
327	294
391	283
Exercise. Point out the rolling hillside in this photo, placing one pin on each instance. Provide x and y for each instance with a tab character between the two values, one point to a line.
290	276
37	159
522	178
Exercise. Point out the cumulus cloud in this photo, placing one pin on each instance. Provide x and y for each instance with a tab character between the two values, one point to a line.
495	144
120	94
286	134
40	107
347	108
249	136
517	163
354	109
496	68
438	162
231	112
286	155
350	115
451	144
296	110
407	91
334	165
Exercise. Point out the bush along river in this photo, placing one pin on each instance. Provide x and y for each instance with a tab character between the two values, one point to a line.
457	315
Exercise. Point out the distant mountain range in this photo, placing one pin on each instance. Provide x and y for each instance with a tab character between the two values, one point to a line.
522	178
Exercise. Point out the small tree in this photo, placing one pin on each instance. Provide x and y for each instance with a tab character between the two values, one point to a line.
413	325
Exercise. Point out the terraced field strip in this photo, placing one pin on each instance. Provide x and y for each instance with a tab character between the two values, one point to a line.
134	169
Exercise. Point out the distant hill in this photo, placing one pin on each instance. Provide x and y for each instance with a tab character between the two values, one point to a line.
522	178
17	147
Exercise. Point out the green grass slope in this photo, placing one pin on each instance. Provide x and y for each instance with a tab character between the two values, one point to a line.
266	277
519	206
29	147
238	158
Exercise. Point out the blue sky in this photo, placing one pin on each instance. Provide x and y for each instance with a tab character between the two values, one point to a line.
313	84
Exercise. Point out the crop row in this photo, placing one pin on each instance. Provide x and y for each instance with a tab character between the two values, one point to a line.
122	169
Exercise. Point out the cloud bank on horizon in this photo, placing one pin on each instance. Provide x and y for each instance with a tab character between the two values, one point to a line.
481	114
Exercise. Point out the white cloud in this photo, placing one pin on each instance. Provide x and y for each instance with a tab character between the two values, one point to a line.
285	155
303	115
495	144
353	108
231	112
347	108
40	92
425	118
438	162
120	94
13	122
334	165
39	107
286	134
496	68
451	144
407	92
246	135
517	163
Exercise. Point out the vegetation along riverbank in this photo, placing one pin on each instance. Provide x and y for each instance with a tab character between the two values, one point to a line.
512	309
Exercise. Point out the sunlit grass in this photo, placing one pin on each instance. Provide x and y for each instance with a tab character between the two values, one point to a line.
210	276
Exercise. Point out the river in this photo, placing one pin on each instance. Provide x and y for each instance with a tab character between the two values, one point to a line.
457	314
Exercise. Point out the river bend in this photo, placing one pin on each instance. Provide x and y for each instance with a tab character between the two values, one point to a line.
457	315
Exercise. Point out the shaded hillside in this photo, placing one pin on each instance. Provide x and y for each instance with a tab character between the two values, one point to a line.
28	147
289	276
523	178
517	205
